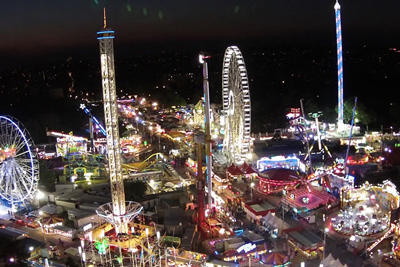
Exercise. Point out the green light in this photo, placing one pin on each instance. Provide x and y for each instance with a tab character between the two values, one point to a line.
160	15
144	11
236	9
101	245
129	8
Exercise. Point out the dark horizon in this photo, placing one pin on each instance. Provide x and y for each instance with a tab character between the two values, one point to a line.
36	31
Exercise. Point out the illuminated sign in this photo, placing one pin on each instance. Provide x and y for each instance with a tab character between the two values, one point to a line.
246	247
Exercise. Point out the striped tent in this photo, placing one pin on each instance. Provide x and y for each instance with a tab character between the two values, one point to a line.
274	259
52	221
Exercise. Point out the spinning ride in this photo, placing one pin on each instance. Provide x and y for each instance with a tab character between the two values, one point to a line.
236	106
19	168
366	210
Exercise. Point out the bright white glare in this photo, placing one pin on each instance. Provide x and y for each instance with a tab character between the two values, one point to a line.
39	195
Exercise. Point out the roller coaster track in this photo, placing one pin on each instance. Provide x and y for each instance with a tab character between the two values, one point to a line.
145	164
139	167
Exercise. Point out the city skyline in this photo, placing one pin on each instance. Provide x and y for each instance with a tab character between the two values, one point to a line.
42	28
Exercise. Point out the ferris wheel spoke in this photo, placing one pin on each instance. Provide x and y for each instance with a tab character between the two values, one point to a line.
24	172
3	182
19	191
7	186
3	135
13	136
22	153
9	135
19	145
26	187
20	180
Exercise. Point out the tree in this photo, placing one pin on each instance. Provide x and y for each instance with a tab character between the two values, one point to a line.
70	262
47	177
363	115
135	190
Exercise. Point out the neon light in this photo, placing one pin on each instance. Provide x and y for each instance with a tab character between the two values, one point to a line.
101	32
105	37
246	247
94	119
238	232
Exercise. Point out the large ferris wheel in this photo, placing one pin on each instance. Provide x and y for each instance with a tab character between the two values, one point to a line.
236	105
19	168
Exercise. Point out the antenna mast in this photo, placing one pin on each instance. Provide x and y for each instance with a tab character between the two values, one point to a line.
104	18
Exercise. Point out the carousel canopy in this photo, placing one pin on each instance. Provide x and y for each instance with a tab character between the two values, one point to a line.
52	220
275	258
280	175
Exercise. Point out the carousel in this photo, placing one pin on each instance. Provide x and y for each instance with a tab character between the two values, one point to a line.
278	174
366	210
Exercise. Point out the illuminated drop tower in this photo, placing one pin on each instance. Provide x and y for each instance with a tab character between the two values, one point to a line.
115	212
339	64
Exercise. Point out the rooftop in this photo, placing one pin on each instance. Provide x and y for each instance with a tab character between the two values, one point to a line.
263	206
305	237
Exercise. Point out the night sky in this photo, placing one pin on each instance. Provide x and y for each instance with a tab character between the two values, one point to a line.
31	28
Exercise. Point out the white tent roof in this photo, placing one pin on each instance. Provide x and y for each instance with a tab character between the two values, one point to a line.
330	261
267	217
272	220
51	209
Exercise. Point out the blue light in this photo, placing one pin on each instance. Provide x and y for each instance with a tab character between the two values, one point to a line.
94	119
238	232
101	32
105	37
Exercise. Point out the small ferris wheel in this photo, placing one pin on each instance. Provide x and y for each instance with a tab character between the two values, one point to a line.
236	106
19	168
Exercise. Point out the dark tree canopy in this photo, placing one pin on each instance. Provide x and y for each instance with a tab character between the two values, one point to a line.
47	177
135	190
363	114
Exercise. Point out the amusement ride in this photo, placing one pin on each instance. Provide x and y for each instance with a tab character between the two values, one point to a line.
236	105
19	167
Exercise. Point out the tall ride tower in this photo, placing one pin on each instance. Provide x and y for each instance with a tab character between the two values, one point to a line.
339	64
118	212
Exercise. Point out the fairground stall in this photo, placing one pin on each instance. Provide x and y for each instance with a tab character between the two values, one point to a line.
306	243
68	144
